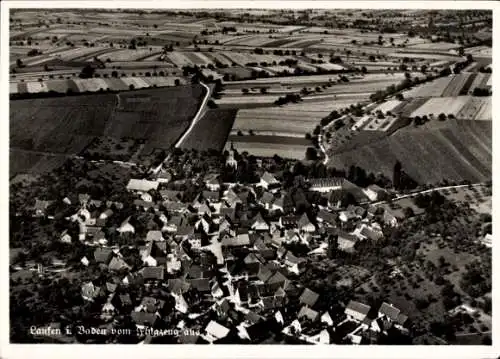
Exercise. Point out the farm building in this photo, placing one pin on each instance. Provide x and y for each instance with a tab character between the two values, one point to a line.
141	185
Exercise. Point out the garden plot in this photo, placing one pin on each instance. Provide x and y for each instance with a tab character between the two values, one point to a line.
437	105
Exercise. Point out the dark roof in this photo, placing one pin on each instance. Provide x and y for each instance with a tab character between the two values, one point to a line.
211	195
103	255
253	317
202	284
303	221
309	297
358	307
327	216
277	277
143	318
267	198
264	273
308	313
177	285
153	272
269	178
174	205
171	195
390	311
117	264
125	299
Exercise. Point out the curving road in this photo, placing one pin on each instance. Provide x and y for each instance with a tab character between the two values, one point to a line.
197	116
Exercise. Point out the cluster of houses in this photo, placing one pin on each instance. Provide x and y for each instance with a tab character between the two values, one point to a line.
219	266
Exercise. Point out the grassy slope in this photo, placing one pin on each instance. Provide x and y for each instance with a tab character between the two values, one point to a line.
454	150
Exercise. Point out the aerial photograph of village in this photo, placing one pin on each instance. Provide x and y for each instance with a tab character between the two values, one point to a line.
250	176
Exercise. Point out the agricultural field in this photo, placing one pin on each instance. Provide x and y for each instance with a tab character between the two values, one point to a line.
212	131
436	105
476	108
268	146
78	85
456	150
67	125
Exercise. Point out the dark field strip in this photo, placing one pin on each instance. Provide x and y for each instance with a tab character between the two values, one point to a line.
412	105
211	131
277	43
470	80
270	139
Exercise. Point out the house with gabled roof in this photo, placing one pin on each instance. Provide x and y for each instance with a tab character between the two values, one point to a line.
103	255
266	200
126	227
293	263
326	184
289	222
305	225
152	273
346	241
357	311
144	319
239	240
90	291
392	314
307	312
268	181
374	192
326	218
117	264
309	297
154	236
259	224
215	331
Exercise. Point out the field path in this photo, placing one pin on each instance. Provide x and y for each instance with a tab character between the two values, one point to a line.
413	194
197	116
